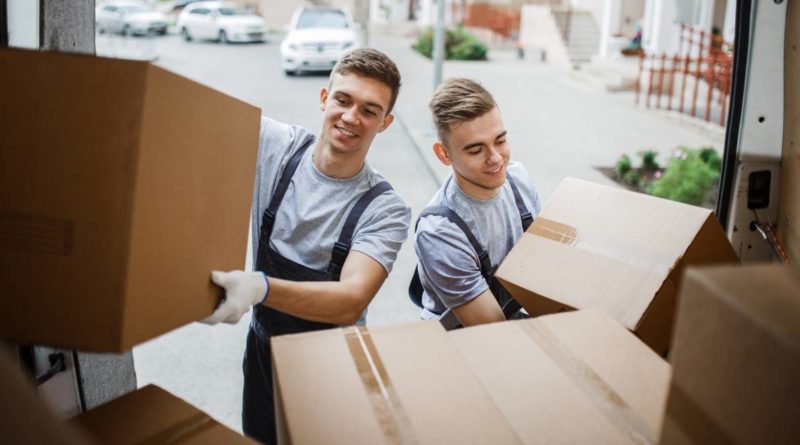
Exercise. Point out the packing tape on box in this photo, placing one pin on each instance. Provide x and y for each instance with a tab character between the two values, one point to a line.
181	431
622	250
601	394
386	405
693	421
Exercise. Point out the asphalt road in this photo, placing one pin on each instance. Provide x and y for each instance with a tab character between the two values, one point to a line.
203	364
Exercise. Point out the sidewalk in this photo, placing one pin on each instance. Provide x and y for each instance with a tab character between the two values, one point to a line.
557	126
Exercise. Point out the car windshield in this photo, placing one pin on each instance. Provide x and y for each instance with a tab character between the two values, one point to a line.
229	11
322	19
134	8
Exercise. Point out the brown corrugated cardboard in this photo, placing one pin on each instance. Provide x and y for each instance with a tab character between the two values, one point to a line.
578	377
736	357
121	186
24	418
789	209
154	416
404	383
594	246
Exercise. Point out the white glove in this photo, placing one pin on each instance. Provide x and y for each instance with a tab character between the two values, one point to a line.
242	290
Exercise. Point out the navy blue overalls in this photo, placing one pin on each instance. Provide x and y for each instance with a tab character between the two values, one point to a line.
258	411
509	305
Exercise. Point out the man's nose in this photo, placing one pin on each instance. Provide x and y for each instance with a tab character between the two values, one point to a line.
494	156
350	115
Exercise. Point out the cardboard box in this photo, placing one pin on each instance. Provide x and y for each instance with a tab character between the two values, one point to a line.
24	417
121	186
600	247
736	357
403	383
577	377
151	415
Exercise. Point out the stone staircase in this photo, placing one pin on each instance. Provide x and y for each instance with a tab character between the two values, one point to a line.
583	40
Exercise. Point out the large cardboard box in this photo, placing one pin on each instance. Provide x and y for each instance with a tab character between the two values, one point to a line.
600	247
736	357
577	377
569	378
154	416
24	417
121	186
404	383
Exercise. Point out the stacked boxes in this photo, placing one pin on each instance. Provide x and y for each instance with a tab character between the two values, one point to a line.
122	186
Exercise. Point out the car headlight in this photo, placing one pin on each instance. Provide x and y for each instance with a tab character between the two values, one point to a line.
349	44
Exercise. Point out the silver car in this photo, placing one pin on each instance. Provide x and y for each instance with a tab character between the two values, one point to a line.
129	18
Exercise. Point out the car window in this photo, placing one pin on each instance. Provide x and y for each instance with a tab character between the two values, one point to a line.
322	19
229	11
200	11
134	8
110	8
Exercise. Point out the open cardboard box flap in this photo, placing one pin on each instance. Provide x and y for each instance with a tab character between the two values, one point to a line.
594	246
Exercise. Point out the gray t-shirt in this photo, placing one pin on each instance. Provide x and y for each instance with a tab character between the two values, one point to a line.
313	211
449	267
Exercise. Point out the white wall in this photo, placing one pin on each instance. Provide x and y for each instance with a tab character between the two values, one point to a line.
23	23
538	31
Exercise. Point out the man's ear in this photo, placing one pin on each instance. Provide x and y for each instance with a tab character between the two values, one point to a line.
323	98
441	152
387	120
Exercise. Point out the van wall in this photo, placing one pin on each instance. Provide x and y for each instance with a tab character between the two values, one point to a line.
789	213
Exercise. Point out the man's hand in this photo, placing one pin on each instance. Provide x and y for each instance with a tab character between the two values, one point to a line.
242	290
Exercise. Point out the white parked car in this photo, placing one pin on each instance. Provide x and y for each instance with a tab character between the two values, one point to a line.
316	38
129	18
221	22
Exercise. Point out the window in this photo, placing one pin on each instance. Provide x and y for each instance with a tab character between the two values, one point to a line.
322	19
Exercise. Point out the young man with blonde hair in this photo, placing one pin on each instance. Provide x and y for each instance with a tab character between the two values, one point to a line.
477	215
326	227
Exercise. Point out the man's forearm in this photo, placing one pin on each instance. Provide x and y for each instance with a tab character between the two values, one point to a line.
332	302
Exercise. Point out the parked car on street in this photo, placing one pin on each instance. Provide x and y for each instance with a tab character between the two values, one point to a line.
316	38
129	18
221	22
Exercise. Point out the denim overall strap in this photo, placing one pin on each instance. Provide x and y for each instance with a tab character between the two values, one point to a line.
415	288
524	213
268	219
341	248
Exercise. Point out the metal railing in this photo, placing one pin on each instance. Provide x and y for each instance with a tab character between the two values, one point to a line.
699	75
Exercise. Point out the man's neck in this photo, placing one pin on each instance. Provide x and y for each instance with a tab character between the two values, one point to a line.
336	165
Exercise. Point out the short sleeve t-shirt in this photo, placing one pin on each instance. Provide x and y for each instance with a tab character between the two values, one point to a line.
312	213
449	268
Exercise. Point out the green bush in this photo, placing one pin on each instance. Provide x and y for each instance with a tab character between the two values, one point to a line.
649	162
458	45
469	50
623	165
689	177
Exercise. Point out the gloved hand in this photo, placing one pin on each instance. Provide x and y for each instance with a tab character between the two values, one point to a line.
242	290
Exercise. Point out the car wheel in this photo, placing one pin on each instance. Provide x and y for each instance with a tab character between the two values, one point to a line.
100	29
223	37
290	73
185	34
126	30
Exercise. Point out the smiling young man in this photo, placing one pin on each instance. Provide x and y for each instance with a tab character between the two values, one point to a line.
326	227
477	215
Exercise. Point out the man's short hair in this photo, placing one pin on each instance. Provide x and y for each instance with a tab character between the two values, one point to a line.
368	62
458	100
